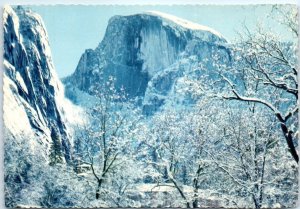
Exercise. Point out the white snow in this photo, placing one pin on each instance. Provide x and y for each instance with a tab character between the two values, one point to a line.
72	114
185	23
7	10
169	187
17	112
155	188
14	114
21	82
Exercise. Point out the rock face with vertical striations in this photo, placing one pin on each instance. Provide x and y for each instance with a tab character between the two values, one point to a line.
32	91
145	53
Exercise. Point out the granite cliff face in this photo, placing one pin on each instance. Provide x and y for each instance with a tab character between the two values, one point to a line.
32	91
146	53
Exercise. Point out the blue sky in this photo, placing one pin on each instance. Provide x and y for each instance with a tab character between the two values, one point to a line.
74	28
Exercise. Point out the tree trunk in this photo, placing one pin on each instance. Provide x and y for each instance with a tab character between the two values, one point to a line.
256	203
195	203
98	188
289	139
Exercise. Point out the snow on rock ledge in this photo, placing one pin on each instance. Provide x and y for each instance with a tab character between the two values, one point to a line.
136	47
187	24
33	94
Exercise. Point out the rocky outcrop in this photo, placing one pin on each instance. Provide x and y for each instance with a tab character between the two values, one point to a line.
32	90
139	50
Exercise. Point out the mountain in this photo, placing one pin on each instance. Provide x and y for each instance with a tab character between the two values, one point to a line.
147	54
33	95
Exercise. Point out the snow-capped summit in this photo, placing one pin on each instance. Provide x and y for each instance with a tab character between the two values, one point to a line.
136	48
185	23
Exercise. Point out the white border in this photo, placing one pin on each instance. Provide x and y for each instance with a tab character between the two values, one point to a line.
108	2
151	2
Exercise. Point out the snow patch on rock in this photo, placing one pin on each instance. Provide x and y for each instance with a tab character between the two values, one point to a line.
185	23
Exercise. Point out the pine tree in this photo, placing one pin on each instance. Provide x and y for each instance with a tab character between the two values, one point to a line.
56	155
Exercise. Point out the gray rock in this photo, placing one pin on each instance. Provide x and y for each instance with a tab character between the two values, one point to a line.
29	66
140	49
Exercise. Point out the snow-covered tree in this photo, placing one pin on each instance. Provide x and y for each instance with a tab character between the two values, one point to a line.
251	156
31	181
107	144
56	154
264	71
175	145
